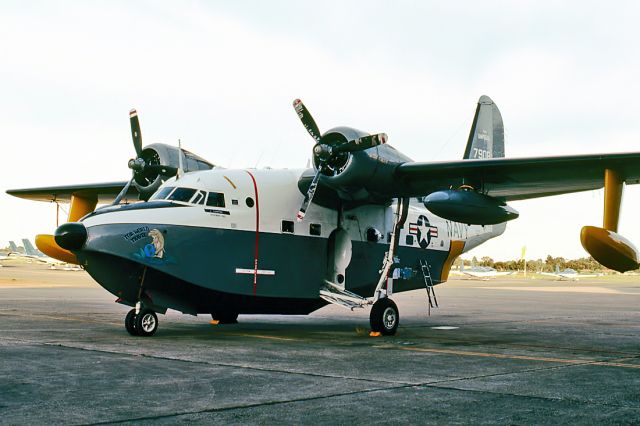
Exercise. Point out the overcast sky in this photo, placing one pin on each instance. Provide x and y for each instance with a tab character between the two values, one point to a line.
221	76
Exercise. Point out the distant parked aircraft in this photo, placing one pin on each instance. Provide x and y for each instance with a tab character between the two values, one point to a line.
14	248
30	250
482	272
32	253
568	274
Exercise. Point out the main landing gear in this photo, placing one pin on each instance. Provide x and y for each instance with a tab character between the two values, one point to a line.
144	323
384	317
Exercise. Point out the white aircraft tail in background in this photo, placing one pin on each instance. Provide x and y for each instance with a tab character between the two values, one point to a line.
30	252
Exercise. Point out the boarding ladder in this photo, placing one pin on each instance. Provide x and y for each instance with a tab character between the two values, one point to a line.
428	283
338	295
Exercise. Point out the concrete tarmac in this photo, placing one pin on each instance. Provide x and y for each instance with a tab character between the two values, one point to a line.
508	351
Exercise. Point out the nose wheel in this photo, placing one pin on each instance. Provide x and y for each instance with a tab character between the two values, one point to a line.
384	317
145	323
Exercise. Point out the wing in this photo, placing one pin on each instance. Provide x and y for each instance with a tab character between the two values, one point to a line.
105	192
517	178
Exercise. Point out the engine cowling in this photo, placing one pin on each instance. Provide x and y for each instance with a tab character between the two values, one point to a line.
360	176
164	160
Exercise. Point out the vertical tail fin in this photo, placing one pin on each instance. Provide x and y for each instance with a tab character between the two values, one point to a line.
29	249
486	139
13	246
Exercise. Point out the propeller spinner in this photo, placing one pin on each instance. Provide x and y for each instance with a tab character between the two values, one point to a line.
328	153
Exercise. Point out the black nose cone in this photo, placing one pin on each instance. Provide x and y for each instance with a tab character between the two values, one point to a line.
71	236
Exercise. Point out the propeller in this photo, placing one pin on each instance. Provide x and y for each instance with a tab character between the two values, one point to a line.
326	152
145	168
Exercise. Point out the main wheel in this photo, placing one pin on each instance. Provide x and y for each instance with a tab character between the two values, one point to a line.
130	322
146	323
384	317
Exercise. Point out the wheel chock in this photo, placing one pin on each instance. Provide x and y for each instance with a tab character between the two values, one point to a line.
214	322
375	334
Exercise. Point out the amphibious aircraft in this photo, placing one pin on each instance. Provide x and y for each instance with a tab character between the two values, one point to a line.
366	221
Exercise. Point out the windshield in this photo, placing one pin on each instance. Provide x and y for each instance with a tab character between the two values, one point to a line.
182	194
190	195
163	193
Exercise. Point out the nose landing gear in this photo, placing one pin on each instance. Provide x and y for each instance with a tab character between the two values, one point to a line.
144	323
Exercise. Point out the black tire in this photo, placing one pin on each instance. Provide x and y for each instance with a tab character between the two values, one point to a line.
146	323
384	317
130	322
226	317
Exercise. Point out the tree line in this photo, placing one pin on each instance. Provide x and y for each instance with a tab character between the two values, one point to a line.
550	264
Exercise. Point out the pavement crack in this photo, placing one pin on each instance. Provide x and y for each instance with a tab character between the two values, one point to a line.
260	404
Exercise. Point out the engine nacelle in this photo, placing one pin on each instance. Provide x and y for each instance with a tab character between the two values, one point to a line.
468	206
159	154
361	176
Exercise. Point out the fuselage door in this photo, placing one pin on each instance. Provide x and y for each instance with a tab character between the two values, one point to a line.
338	256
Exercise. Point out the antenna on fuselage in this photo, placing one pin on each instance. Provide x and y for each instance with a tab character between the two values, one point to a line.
180	165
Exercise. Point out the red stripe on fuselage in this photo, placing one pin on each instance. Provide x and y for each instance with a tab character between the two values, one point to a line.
255	259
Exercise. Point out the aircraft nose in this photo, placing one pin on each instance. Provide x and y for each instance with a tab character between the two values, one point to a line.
71	236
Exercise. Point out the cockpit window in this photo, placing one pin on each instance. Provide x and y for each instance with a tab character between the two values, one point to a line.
199	197
162	194
215	199
182	194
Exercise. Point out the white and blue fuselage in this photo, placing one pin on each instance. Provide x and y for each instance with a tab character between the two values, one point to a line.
226	236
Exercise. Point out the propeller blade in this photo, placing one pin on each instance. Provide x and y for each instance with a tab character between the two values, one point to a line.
310	193
362	143
123	192
307	120
135	131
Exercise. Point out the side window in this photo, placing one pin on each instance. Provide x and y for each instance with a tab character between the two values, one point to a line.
315	229
182	194
287	226
199	197
215	199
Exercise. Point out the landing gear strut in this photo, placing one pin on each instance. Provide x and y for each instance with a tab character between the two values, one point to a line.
384	317
144	323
